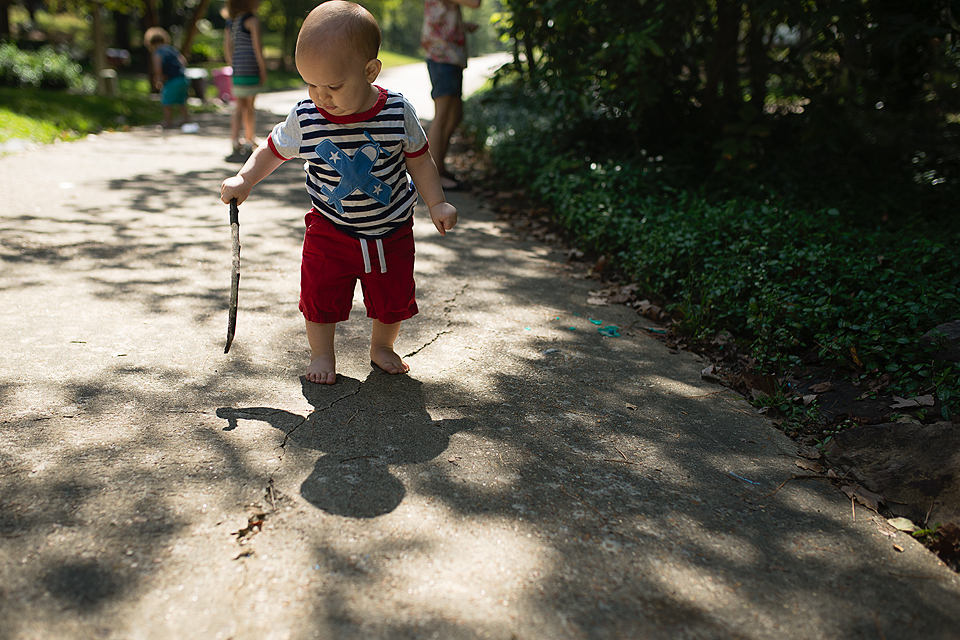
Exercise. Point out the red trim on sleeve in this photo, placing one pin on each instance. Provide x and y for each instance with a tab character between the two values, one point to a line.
419	153
274	149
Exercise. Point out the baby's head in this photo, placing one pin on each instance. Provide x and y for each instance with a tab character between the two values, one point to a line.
339	28
337	56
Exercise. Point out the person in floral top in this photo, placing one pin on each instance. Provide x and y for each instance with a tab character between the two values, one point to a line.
444	39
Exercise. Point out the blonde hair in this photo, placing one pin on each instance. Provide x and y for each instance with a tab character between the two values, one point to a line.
155	36
340	24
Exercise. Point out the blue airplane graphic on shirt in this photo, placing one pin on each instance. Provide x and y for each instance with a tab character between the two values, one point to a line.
355	173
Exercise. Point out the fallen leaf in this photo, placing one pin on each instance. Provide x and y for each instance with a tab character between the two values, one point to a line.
597	301
254	525
907	403
867	498
809	465
822	387
722	338
632	407
897	547
649	310
765	384
902	403
856	360
808	399
903	524
811	453
710	373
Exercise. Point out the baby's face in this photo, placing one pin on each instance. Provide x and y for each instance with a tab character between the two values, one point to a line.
340	85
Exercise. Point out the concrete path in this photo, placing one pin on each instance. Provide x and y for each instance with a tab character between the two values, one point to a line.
411	80
530	478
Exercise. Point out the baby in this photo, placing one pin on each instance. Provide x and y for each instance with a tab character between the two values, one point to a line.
367	159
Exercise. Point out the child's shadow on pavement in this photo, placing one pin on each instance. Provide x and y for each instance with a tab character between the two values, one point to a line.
361	428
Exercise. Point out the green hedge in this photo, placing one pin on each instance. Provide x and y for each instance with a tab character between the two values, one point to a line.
793	284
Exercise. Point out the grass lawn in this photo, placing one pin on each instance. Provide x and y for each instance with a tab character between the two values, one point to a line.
44	116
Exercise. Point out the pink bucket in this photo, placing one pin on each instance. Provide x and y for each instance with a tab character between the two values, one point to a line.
223	80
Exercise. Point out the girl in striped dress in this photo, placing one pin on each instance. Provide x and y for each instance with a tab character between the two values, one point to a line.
243	49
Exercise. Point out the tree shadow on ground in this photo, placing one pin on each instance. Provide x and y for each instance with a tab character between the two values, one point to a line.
614	521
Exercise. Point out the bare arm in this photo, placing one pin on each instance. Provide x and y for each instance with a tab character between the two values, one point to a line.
157	70
261	163
227	47
423	170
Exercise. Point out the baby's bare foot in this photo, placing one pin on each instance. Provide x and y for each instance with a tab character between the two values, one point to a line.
322	369
388	360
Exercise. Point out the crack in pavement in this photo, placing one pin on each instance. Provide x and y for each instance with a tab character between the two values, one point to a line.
318	410
446	311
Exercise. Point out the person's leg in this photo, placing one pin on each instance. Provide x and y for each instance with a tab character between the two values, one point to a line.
184	113
447	90
381	347
235	125
448	113
249	120
167	116
323	359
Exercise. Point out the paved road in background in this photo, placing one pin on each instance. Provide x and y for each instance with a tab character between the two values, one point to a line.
411	80
530	478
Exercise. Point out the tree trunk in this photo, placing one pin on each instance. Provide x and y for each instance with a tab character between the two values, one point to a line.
151	17
99	50
722	87
198	12
121	29
168	16
757	57
5	18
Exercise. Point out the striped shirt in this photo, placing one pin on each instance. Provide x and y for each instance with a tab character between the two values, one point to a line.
244	59
355	165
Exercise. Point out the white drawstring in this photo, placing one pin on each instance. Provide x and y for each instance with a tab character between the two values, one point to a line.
366	256
383	259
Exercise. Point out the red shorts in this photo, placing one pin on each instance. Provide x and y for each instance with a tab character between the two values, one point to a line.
333	262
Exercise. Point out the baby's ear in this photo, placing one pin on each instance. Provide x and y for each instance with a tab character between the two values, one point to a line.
373	69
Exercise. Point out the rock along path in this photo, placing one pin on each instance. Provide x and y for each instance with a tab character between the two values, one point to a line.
530	478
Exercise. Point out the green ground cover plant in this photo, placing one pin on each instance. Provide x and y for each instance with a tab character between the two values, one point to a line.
796	281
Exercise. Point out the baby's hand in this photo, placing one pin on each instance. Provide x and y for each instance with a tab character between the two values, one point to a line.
235	187
444	216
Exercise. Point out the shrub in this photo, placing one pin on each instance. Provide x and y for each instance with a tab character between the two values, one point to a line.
795	284
45	69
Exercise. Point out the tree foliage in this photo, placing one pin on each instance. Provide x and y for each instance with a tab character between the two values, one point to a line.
726	70
400	22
